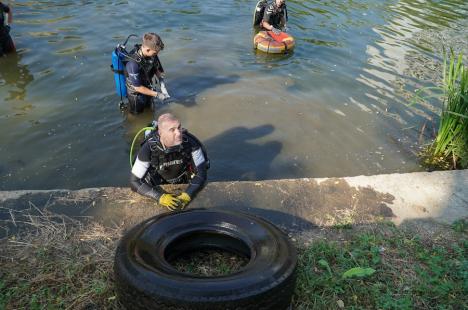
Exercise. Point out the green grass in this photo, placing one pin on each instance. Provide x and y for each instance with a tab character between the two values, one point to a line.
57	263
460	226
57	283
449	150
409	273
70	266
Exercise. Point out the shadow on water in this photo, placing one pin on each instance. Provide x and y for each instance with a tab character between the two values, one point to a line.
14	74
185	89
247	160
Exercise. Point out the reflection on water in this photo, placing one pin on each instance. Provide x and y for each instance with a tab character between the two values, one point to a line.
14	77
333	107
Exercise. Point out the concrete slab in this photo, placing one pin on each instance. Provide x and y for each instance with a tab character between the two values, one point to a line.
295	204
441	195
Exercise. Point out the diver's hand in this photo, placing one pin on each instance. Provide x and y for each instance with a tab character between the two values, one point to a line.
160	96
169	201
184	199
285	28
275	30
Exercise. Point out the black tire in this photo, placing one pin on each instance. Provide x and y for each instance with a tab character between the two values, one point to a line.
146	280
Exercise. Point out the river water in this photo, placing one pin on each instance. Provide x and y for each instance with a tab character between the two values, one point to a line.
336	106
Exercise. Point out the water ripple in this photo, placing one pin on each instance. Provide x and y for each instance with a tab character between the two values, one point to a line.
339	97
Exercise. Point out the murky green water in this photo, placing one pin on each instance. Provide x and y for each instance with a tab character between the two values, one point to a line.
334	107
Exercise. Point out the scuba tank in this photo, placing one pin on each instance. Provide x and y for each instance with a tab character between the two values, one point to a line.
118	57
259	11
119	77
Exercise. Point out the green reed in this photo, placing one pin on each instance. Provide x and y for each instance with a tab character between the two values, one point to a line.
451	143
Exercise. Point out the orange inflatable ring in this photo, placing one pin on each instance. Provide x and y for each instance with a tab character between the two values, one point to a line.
269	42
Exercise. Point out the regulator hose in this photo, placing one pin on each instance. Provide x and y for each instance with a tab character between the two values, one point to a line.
134	140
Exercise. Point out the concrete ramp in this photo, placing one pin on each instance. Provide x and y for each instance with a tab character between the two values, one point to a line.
295	204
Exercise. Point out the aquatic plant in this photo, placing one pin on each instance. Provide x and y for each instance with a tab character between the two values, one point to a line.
449	149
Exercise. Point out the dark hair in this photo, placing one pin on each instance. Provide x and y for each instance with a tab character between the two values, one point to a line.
153	41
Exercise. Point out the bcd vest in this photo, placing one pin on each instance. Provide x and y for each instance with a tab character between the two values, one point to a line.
147	66
174	165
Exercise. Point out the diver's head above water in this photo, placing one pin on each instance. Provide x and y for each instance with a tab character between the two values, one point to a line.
280	3
151	45
170	130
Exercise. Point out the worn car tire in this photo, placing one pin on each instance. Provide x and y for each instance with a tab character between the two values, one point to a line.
146	280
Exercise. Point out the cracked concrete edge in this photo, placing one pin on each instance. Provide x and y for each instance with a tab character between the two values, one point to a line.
440	195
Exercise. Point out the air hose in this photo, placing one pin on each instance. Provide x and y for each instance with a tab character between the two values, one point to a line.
134	140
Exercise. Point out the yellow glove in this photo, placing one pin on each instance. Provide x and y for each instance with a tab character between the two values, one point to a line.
184	199
169	201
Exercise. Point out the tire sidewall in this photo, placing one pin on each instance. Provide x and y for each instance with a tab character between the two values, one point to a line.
272	262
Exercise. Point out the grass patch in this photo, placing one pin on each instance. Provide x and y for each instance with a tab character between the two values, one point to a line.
449	150
341	226
460	226
388	269
60	263
57	263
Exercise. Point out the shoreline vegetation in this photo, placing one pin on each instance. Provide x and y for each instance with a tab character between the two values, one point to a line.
449	149
58	262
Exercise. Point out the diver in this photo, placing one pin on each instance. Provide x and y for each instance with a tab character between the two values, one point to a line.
6	43
275	15
170	155
142	70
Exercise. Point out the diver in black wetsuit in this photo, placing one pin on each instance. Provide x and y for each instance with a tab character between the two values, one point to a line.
275	16
142	67
170	155
6	43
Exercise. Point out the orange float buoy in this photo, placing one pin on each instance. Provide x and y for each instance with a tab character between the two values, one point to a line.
269	42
